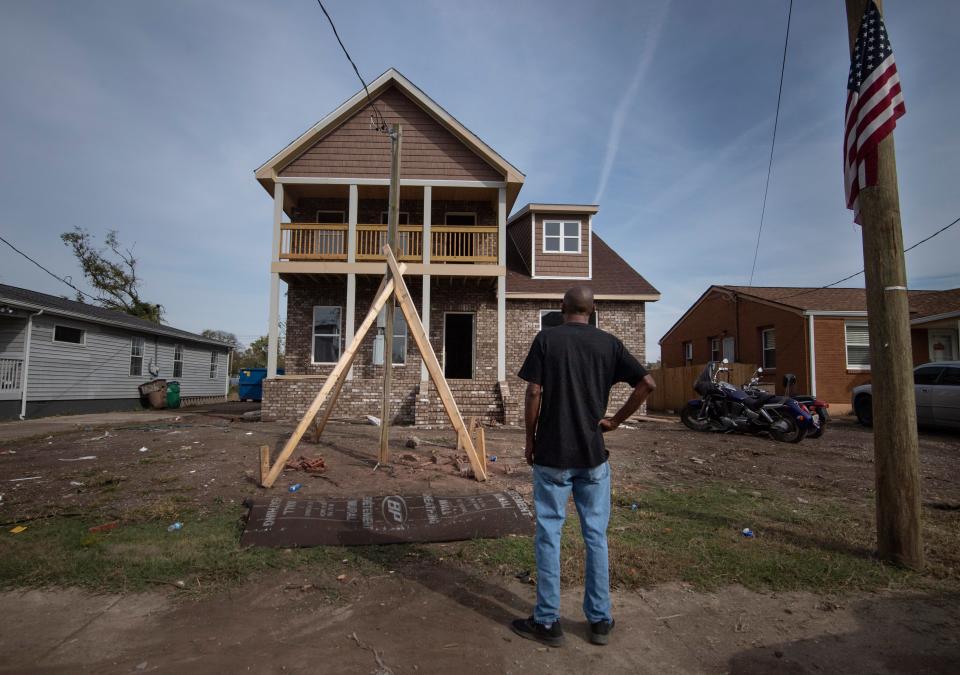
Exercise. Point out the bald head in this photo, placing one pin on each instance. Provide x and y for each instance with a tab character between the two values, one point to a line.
578	302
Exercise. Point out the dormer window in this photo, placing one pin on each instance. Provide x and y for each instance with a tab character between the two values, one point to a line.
561	236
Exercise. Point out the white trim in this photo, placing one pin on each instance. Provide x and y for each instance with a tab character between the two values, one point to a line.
273	318
590	247
935	317
813	355
350	320
473	345
533	245
313	335
24	380
846	347
342	220
407	182
381	324
459	213
817	312
517	295
562	236
83	336
214	364
952	333
687	351
502	285
764	350
427	225
142	356
425	319
379	268
588	209
352	226
561	278
173	370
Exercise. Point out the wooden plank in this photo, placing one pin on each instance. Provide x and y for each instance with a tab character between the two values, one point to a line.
433	365
346	359
264	462
481	445
318	427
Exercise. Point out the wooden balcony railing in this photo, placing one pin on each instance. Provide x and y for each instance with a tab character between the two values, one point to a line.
328	242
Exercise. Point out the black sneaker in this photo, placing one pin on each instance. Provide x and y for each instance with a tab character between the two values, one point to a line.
532	630
600	631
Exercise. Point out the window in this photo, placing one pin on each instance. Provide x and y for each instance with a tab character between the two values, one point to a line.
553	317
69	335
951	377
926	375
399	338
688	352
326	334
858	345
178	361
402	219
454	218
768	343
136	356
561	236
214	363
715	349
330	217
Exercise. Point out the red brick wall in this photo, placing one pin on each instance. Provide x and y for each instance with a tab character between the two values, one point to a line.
714	317
834	380
429	150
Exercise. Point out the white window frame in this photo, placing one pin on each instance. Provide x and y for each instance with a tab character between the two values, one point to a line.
562	237
688	352
314	335
385	217
381	324
133	355
177	349
214	364
342	220
764	349
459	213
716	347
595	324
83	335
846	347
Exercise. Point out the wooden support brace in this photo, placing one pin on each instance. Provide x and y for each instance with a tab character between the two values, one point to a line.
429	357
320	425
346	359
481	444
264	462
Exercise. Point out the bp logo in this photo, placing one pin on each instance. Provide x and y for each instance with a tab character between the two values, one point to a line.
394	510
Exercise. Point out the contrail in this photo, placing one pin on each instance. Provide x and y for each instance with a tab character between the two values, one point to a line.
623	107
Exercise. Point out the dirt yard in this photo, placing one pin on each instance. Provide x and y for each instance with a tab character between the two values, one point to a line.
691	593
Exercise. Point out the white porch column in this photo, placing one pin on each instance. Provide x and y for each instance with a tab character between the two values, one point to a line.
427	252
352	226
813	357
273	327
351	314
501	286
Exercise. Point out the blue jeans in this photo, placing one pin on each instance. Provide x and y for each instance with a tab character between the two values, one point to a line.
591	495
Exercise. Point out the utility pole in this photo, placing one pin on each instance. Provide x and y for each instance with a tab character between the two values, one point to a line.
895	443
393	218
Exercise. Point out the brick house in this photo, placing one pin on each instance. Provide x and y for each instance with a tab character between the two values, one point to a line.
818	334
484	284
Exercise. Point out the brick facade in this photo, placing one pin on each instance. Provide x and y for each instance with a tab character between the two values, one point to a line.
414	401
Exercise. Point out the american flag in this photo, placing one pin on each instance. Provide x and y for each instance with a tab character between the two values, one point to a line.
874	103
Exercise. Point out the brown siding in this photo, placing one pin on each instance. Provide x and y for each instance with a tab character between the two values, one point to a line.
520	233
562	264
353	150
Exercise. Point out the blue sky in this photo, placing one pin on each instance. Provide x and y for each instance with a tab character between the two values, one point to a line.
150	118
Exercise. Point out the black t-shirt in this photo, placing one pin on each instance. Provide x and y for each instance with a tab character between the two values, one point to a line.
576	365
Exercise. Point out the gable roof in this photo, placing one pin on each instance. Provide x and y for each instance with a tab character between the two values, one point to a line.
612	276
267	172
52	304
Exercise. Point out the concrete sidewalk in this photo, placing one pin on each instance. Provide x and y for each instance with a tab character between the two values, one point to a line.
45	426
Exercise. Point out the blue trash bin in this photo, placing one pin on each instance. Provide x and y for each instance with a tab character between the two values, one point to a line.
250	386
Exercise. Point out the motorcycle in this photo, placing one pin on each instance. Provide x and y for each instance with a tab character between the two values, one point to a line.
816	407
724	407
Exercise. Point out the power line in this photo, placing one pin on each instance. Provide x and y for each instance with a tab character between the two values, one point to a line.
58	278
855	274
773	144
380	123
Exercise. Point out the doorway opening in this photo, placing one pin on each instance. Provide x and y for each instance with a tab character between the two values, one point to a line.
458	345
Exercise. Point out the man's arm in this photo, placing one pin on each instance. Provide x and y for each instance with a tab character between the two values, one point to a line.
531	413
643	389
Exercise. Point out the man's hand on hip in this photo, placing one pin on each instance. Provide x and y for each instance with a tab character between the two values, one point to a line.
608	424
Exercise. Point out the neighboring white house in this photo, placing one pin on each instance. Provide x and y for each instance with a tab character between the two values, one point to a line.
58	356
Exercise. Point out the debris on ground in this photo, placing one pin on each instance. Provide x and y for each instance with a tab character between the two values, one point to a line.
747	532
105	434
375	421
17	480
175	526
77	459
697	460
144	449
251	416
307	464
413	442
106	526
294	487
18	529
409	457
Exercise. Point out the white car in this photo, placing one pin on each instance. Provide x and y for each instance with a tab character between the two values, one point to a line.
937	387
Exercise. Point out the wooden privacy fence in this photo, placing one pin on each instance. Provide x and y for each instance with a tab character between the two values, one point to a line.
675	385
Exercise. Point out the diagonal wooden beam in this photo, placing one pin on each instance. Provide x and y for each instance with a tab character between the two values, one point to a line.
343	365
433	365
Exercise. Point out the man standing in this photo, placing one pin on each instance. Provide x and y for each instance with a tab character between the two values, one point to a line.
570	370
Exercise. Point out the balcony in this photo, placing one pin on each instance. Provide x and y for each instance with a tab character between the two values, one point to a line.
11	375
448	244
